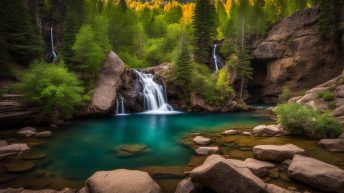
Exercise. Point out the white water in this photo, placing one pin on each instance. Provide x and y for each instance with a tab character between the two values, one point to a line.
52	45
120	106
216	66
155	101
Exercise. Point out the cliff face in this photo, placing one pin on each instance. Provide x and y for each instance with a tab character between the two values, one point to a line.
293	55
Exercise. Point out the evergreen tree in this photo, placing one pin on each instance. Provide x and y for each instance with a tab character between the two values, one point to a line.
183	69
204	24
18	32
244	69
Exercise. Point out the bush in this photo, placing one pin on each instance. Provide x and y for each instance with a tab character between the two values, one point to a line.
327	95
285	95
52	88
302	120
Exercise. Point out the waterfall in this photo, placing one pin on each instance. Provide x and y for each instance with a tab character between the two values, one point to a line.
120	106
217	60
155	101
52	45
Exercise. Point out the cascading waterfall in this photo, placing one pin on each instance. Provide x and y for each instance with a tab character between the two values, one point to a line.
154	95
217	60
120	106
52	45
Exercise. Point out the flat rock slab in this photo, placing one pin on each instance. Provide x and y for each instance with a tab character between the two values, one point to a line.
201	140
121	181
334	145
266	130
317	174
19	166
14	148
206	150
126	150
224	176
276	152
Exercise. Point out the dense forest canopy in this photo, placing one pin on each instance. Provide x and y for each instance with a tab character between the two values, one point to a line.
146	33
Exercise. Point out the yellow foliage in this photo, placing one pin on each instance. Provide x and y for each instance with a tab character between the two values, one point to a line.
188	10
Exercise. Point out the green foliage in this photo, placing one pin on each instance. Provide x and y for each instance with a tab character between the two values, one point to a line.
52	88
244	68
302	120
89	54
327	95
223	82
285	95
183	70
204	23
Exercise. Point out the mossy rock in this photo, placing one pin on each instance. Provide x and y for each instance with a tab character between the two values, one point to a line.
19	166
33	155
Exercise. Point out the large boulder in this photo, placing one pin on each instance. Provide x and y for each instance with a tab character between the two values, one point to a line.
121	181
104	95
289	57
276	152
317	174
223	176
335	145
266	130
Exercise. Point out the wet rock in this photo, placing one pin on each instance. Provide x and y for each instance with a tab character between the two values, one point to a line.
131	150
317	174
271	188
231	132
335	145
33	155
259	168
27	131
201	140
217	174
266	130
22	190
206	150
19	166
276	152
246	133
123	181
14	148
44	134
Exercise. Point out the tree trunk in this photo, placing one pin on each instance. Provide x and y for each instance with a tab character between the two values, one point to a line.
241	86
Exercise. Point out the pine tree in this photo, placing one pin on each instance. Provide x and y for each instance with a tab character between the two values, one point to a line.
204	24
244	69
183	69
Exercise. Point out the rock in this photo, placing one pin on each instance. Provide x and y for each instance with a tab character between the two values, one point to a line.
317	174
27	131
122	181
206	150
271	188
44	134
341	136
276	152
22	190
3	143
246	133
19	166
231	132
266	130
218	174
201	140
259	168
126	150
274	173
335	145
14	148
185	186
104	95
33	155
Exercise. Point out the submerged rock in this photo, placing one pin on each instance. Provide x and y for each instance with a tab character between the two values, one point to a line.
317	174
122	181
276	152
131	150
335	145
27	131
19	166
33	155
266	130
224	176
206	150
201	140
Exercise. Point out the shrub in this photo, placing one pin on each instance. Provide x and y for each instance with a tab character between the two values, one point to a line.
52	88
327	95
285	95
302	120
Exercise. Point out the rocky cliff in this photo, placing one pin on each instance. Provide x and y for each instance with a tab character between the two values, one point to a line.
293	55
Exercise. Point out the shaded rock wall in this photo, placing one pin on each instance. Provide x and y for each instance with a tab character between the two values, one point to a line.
295	56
